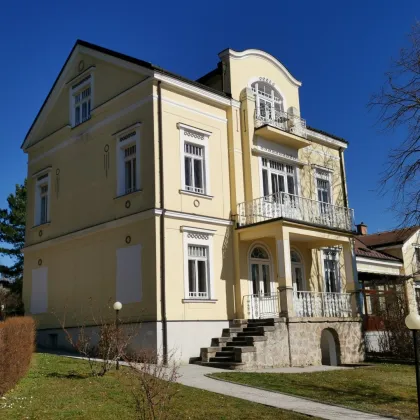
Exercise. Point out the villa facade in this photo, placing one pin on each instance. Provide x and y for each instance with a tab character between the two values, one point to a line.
209	208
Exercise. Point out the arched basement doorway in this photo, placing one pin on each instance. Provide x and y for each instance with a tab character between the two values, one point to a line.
330	348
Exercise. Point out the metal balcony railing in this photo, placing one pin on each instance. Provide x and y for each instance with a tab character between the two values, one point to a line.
289	206
322	304
267	115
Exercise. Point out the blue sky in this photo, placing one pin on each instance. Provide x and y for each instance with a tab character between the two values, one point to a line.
339	50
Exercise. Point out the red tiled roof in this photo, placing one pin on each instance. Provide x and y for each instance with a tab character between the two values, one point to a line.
391	237
362	250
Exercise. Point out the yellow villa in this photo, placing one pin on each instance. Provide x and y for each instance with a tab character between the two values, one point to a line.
208	208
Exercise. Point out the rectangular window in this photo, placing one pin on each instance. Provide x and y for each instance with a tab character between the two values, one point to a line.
42	199
417	254
323	186
130	168
198	272
279	180
82	105
194	168
331	271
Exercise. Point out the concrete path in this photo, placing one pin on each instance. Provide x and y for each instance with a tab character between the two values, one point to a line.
194	376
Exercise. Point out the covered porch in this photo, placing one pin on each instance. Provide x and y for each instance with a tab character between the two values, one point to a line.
295	271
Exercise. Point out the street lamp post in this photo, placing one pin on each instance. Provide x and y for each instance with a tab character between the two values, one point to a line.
412	321
117	308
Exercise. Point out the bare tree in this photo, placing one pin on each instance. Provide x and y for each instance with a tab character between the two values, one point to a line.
399	104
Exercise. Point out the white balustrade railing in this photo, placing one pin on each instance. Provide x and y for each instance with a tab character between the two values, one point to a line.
294	207
322	304
262	306
267	115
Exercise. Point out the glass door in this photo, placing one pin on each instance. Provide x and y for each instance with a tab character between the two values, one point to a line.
261	282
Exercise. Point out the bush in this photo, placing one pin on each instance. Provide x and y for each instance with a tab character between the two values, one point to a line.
17	337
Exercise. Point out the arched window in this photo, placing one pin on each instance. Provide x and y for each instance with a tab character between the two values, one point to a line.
268	103
259	253
295	257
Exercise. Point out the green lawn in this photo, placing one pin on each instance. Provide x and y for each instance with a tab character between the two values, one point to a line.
383	389
60	388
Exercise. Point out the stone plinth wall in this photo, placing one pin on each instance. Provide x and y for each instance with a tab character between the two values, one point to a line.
297	342
305	340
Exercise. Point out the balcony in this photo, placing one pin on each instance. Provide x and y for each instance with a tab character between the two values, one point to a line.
282	127
292	207
322	304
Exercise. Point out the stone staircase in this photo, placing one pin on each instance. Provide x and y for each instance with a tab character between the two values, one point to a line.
241	346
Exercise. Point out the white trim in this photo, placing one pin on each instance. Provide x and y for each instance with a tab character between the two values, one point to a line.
272	154
197	230
81	75
42	172
322	168
194	217
78	89
189	108
337	261
37	200
270	262
274	86
121	146
194	194
202	143
208	243
240	55
195	90
379	262
324	139
94	127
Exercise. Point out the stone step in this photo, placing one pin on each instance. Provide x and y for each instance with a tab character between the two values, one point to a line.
250	334
237	344
260	329
221	359
220	341
222	353
260	323
222	365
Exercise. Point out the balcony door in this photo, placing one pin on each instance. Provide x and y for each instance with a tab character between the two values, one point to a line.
260	265
297	271
269	104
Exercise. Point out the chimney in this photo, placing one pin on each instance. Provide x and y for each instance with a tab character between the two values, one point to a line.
361	229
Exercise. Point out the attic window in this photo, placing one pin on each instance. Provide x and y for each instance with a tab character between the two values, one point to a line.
81	100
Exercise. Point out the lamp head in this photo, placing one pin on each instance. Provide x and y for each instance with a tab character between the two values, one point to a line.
412	321
117	306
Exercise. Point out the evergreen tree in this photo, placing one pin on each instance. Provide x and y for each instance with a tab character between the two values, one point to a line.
12	236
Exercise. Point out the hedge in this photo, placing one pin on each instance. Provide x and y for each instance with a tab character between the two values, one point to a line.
17	337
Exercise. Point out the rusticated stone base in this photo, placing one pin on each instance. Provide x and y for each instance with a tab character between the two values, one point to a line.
305	340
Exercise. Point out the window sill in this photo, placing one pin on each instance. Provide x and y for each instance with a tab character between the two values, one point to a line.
199	300
128	194
42	225
73	126
194	194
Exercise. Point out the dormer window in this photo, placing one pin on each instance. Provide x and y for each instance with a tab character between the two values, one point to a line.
81	99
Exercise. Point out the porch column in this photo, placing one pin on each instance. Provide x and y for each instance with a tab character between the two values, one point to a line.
352	283
284	275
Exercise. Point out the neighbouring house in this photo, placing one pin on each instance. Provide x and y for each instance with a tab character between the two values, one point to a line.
208	208
388	263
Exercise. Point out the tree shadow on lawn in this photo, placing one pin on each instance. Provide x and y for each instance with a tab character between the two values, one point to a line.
69	375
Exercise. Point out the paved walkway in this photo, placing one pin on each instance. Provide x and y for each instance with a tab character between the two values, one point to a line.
194	375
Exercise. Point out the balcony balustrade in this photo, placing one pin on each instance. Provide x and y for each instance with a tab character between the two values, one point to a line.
293	207
322	304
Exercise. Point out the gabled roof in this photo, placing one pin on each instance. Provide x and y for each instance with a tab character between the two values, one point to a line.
388	238
144	64
362	250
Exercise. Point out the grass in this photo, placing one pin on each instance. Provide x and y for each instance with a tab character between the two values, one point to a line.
61	388
383	389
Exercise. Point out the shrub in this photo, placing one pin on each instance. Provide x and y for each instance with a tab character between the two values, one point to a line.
17	337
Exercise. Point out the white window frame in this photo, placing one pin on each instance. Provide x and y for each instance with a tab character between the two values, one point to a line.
124	139
198	237
270	99
283	173
417	257
318	175
42	178
197	137
337	262
82	82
